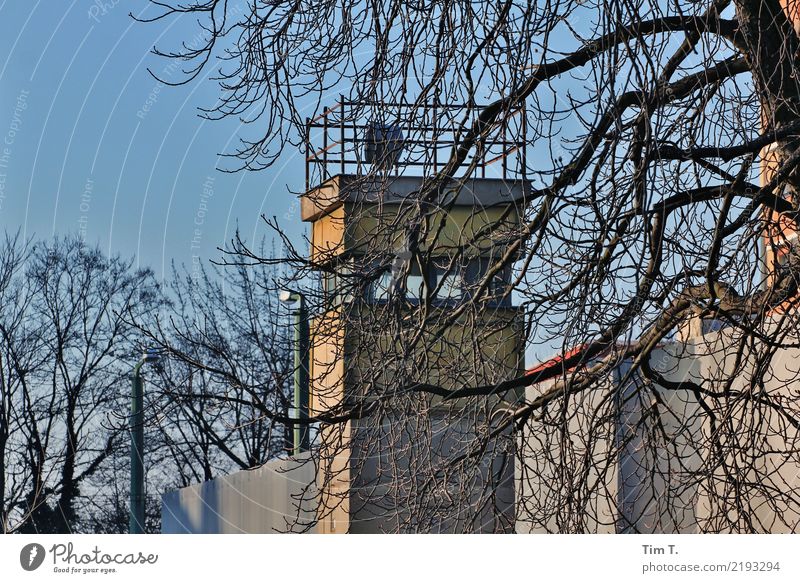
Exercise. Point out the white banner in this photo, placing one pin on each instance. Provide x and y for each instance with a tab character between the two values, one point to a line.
285	558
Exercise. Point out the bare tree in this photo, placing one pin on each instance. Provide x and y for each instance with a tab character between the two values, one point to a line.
70	332
659	156
230	359
19	353
66	355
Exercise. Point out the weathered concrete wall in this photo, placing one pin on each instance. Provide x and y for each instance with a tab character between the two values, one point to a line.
406	482
659	436
547	473
622	457
658	472
763	444
277	497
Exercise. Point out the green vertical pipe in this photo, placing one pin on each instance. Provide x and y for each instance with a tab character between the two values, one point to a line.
301	377
136	524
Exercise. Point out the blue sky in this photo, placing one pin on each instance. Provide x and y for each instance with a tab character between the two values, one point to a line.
90	142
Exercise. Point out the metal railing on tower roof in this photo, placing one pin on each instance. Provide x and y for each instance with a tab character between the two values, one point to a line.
357	137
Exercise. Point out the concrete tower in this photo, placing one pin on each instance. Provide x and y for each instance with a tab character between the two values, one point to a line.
364	210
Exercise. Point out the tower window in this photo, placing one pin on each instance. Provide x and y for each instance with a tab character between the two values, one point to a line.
452	283
448	283
415	284
337	285
329	284
382	287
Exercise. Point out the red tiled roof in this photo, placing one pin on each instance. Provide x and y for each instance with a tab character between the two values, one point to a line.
556	359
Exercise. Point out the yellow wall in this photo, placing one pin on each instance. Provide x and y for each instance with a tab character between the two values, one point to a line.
327	390
327	234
